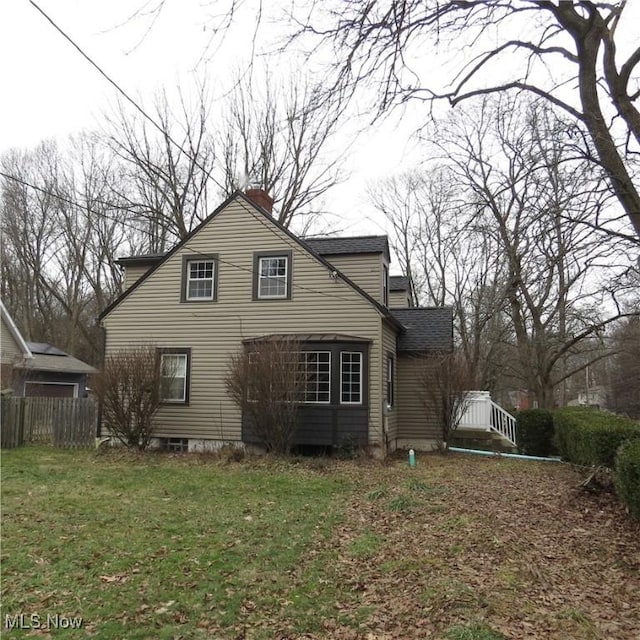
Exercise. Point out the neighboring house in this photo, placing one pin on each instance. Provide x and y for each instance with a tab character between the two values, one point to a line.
595	396
240	277
14	351
52	373
36	368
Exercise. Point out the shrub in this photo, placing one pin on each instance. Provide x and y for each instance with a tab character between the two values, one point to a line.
591	437
627	475
130	389
534	432
267	381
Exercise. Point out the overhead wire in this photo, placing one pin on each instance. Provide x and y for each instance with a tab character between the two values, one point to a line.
295	246
137	228
121	91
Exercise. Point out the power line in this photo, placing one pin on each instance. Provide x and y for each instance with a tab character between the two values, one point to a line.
120	90
131	226
74	203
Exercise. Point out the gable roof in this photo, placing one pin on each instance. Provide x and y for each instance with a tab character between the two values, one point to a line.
399	283
14	331
426	328
299	242
46	357
354	244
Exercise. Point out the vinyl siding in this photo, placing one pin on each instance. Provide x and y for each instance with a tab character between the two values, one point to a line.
365	269
398	300
389	346
132	275
153	314
9	349
414	419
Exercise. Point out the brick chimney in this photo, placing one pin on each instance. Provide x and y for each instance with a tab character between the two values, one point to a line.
261	198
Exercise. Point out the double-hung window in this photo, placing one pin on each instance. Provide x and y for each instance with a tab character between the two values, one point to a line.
390	384
174	375
350	377
199	279
272	276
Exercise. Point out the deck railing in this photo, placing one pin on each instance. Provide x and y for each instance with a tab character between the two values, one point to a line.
503	422
482	413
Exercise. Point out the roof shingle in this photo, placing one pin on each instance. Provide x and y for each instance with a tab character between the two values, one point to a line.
427	329
398	283
355	244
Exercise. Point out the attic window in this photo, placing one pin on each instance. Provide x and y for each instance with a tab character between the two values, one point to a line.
199	276
272	276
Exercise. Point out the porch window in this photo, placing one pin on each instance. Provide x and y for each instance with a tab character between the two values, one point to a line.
317	366
315	374
350	377
174	372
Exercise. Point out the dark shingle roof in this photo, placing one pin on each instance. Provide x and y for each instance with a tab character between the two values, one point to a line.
427	329
322	246
355	244
399	283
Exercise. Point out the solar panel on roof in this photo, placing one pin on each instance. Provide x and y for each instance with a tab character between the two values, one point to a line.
45	349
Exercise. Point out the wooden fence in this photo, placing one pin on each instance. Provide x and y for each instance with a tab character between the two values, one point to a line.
63	422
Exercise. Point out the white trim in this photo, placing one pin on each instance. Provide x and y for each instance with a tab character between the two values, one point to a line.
13	330
262	296
189	280
317	389
66	384
359	354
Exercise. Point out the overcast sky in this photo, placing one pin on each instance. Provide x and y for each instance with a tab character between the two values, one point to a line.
49	90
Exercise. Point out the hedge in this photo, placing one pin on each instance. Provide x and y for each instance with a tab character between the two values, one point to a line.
534	432
591	437
627	475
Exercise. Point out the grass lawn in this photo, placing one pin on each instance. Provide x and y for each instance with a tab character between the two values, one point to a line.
460	548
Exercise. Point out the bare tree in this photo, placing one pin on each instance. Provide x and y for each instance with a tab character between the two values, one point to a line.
170	172
449	260
624	386
267	384
61	231
130	391
498	234
539	47
276	135
445	380
530	196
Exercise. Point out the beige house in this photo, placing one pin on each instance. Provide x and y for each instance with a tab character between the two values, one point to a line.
240	276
